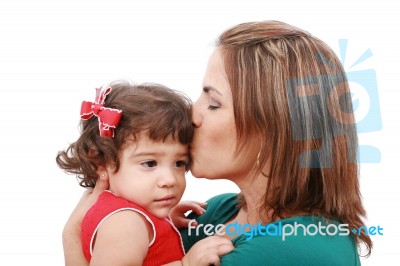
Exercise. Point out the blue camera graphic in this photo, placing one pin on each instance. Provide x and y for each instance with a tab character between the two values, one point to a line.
366	109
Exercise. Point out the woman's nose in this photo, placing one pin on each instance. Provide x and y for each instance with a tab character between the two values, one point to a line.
197	117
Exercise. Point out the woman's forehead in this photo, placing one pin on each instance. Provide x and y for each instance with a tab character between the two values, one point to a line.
215	76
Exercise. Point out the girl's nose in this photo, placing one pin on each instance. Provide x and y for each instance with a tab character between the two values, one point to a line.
167	179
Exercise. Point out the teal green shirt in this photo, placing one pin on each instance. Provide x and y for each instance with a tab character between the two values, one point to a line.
267	247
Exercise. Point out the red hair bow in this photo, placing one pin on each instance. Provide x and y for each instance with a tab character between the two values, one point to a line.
108	117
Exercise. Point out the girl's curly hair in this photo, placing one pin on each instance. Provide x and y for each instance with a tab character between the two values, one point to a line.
154	108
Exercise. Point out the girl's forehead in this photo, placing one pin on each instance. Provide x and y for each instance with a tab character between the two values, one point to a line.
143	139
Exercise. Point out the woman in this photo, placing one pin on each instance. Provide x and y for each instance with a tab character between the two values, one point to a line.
275	117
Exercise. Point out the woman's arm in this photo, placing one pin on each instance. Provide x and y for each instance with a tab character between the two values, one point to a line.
73	254
71	236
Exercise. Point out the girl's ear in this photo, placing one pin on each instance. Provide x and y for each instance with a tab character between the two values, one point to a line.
103	173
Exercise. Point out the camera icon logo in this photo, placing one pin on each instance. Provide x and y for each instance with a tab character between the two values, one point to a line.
365	108
364	90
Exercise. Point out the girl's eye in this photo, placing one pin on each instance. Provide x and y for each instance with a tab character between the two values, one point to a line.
181	164
150	164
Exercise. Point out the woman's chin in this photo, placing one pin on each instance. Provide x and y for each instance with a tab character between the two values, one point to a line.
194	170
200	171
201	174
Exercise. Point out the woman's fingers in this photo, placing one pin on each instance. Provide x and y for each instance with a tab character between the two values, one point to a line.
198	207
181	222
195	206
208	251
88	198
224	249
177	213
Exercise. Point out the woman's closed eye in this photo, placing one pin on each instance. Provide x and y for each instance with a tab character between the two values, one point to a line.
214	104
212	107
149	164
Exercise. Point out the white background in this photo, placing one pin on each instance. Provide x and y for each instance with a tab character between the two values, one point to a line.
54	53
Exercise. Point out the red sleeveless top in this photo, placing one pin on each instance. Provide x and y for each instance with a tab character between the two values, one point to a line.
165	247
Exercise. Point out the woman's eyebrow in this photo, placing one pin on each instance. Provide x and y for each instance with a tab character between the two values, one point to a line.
206	89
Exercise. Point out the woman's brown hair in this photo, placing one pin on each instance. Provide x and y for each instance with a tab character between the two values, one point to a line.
290	90
154	108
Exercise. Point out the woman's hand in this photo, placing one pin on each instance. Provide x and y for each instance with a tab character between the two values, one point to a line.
177	213
72	245
208	251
